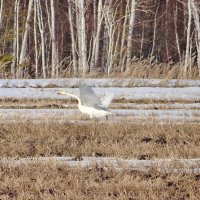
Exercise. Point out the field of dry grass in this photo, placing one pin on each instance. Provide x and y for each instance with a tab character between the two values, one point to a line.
57	181
72	103
120	139
39	134
54	181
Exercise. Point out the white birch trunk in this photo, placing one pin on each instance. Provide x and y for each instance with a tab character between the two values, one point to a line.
1	12
130	34
41	28
17	34
142	42
73	42
176	33
35	39
48	15
15	39
24	41
196	13
95	47
122	48
187	53
110	23
154	33
53	38
78	37
83	39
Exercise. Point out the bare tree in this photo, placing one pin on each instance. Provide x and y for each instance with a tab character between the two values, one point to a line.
109	16
96	40
22	58
1	13
196	13
83	65
72	33
41	29
15	40
35	39
130	34
187	53
123	55
53	38
154	32
176	32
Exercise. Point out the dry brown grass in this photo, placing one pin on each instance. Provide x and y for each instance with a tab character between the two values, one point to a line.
117	139
55	181
144	69
71	103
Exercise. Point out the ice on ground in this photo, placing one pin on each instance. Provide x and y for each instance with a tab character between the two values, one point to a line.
68	115
104	82
154	106
137	93
107	163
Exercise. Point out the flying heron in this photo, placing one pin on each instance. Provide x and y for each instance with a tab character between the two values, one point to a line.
90	104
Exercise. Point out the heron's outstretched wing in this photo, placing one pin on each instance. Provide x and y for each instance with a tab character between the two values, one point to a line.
88	97
106	100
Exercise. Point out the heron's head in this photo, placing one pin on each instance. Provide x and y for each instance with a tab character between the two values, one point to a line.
61	92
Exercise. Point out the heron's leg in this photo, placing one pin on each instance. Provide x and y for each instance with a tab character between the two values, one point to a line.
106	118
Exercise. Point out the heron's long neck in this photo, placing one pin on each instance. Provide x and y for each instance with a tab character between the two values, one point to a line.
72	95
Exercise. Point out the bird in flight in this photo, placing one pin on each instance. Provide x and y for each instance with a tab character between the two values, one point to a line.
90	104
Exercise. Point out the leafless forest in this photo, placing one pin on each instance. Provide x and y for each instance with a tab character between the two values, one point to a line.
60	38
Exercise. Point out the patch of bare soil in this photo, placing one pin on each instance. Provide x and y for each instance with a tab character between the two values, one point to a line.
123	139
55	181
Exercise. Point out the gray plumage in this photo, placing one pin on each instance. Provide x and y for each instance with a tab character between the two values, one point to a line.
88	97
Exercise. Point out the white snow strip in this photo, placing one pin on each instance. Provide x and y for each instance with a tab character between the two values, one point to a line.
163	165
104	82
145	93
150	106
68	115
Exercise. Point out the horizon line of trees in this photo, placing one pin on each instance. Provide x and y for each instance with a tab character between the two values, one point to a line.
49	38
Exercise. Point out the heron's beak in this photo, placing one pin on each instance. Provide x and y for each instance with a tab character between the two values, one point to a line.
60	92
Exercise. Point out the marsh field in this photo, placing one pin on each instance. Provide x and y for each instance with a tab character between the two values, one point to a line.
150	123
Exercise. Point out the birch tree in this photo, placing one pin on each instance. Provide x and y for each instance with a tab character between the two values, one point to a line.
96	40
72	33
53	40
1	12
41	29
130	34
83	65
122	55
187	53
35	39
176	32
104	55
15	39
154	32
109	23
196	13
22	58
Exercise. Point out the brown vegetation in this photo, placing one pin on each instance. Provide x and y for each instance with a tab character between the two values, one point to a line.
72	103
55	181
117	139
151	38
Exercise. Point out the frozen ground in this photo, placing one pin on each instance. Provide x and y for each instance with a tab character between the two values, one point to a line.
73	115
127	90
136	93
104	82
106	163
